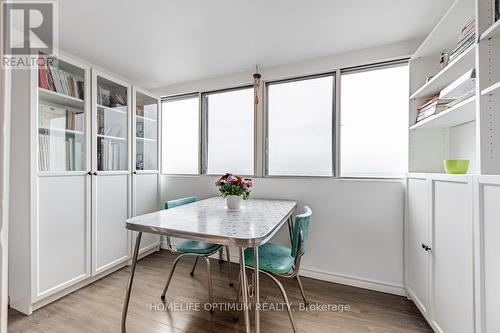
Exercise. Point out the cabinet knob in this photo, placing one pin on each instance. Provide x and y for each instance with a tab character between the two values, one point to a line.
95	173
134	172
89	173
426	247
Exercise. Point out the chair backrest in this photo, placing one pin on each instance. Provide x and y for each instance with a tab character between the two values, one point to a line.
179	202
301	226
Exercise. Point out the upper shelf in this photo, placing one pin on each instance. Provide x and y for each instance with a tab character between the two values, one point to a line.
447	75
458	114
492	32
445	34
56	98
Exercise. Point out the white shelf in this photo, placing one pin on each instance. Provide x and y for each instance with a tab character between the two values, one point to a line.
447	75
145	118
60	130
494	89
445	34
458	114
53	97
111	137
145	139
492	32
124	112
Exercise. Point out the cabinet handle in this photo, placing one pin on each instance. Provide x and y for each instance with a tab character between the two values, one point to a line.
95	173
426	247
134	172
89	173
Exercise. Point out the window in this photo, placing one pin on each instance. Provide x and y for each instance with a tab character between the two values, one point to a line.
180	129
300	128
229	131
374	122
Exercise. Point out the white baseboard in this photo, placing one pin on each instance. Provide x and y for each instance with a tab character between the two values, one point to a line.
353	281
334	277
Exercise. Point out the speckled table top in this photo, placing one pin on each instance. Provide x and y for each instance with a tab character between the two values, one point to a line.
211	221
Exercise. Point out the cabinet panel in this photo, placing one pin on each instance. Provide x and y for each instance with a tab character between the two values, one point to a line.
146	201
491	249
453	283
63	232
111	241
417	233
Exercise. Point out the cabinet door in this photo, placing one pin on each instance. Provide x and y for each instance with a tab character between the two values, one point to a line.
62	240
453	283
489	212
111	102
63	232
145	161
417	233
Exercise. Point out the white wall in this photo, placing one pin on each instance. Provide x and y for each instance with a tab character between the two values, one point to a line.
357	226
357	231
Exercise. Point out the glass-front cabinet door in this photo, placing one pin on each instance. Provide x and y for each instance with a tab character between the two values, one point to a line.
61	116
112	118
146	132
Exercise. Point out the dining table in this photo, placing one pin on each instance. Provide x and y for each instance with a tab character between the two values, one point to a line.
211	221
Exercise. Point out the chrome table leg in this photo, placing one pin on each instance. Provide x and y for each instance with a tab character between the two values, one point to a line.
256	289
130	281
244	289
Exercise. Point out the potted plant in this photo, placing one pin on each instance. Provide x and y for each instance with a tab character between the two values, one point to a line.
234	188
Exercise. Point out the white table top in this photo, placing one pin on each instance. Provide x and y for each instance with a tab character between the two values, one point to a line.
209	220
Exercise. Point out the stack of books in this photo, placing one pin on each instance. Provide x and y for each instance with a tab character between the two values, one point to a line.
466	39
53	79
59	153
433	106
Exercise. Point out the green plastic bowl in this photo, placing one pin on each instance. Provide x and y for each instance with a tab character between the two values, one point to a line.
456	166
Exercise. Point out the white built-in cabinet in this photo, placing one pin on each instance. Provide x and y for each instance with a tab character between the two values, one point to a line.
452	227
79	168
439	250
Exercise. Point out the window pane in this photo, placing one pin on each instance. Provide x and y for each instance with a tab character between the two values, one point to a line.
374	120
230	136
300	130
180	145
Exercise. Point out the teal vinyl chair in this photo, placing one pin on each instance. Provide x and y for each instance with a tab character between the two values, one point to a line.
194	248
280	261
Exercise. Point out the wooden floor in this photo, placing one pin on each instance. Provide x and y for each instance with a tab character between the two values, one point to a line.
97	307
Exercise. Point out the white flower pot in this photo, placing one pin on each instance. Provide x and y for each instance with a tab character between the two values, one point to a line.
233	202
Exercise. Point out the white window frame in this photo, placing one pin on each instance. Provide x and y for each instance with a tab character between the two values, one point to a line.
204	129
335	127
357	69
176	98
261	125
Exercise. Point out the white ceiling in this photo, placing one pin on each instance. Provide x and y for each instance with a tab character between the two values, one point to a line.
161	42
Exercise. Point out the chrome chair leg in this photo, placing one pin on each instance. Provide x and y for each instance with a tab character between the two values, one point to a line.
194	266
220	256
244	289
130	281
172	273
228	256
306	303
238	292
210	292
285	298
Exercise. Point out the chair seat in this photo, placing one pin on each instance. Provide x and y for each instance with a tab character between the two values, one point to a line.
194	246
273	258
